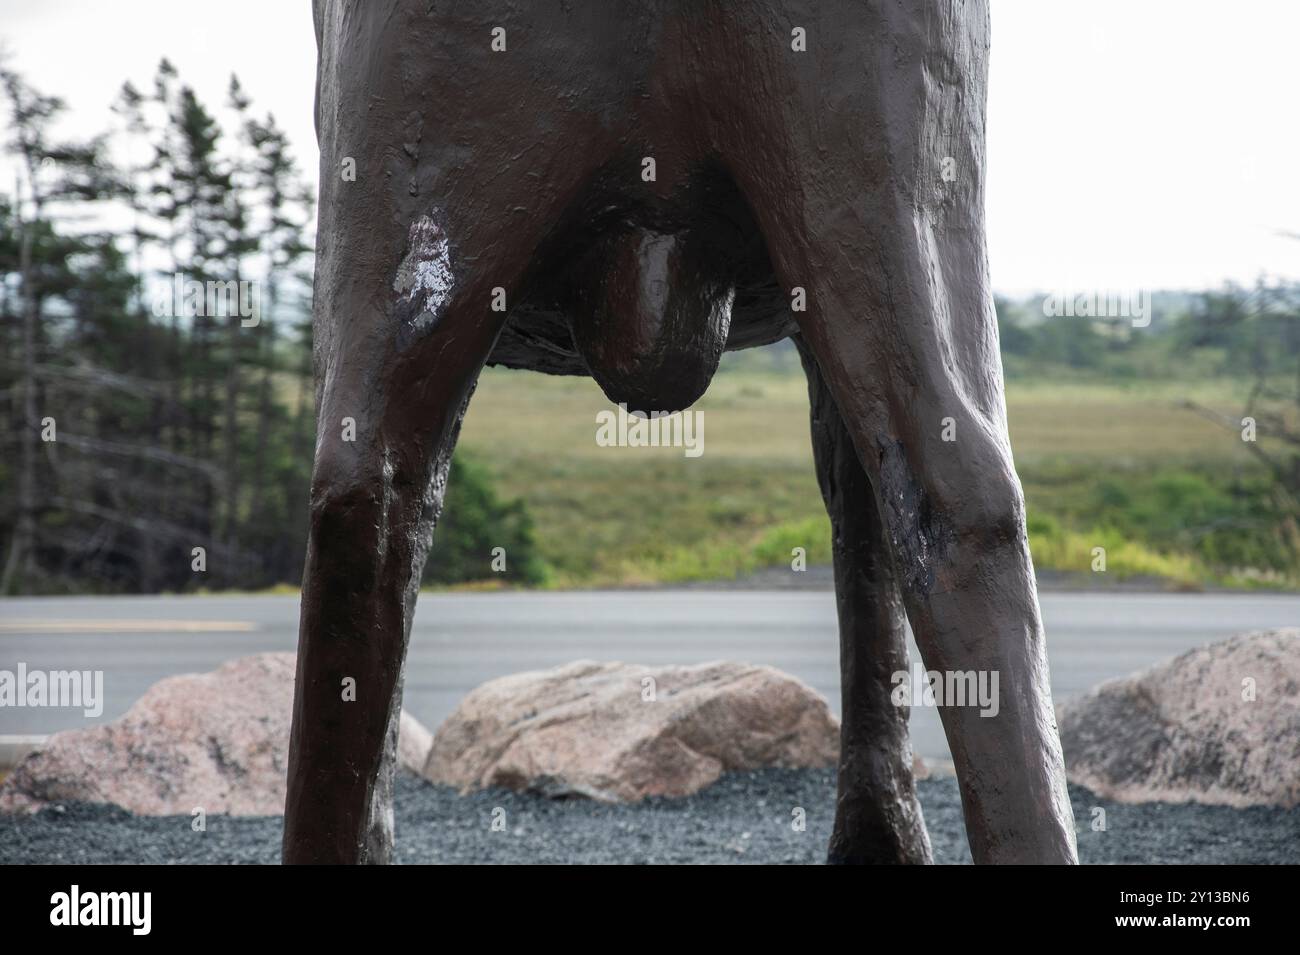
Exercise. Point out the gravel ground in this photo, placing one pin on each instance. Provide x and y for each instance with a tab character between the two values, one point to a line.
744	818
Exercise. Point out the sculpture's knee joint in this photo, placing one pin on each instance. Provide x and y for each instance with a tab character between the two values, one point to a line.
987	506
347	531
999	520
343	503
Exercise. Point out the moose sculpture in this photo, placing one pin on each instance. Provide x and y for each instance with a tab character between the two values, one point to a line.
626	189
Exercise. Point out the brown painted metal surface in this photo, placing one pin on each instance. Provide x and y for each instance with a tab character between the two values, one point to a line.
501	211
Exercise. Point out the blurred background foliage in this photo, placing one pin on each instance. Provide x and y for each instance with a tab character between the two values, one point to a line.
174	432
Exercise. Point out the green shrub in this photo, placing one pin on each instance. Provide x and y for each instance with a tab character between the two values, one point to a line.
1227	524
474	522
776	546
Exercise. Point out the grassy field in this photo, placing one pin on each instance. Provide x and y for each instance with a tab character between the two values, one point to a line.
607	516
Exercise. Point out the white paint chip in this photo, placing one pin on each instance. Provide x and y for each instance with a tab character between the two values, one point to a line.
424	279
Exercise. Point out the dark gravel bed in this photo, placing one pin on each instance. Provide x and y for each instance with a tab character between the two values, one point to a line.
744	818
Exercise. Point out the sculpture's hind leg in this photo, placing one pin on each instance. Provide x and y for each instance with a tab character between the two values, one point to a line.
440	222
397	364
875	212
877	817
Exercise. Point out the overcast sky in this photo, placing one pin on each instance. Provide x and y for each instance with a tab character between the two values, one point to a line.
1132	143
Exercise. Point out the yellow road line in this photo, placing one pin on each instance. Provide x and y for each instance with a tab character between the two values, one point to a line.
127	626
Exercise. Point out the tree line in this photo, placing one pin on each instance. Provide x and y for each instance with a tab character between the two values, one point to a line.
155	361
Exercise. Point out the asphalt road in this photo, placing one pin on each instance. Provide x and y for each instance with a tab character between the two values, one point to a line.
460	640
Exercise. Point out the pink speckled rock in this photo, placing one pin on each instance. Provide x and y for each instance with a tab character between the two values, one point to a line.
217	741
1187	730
620	732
